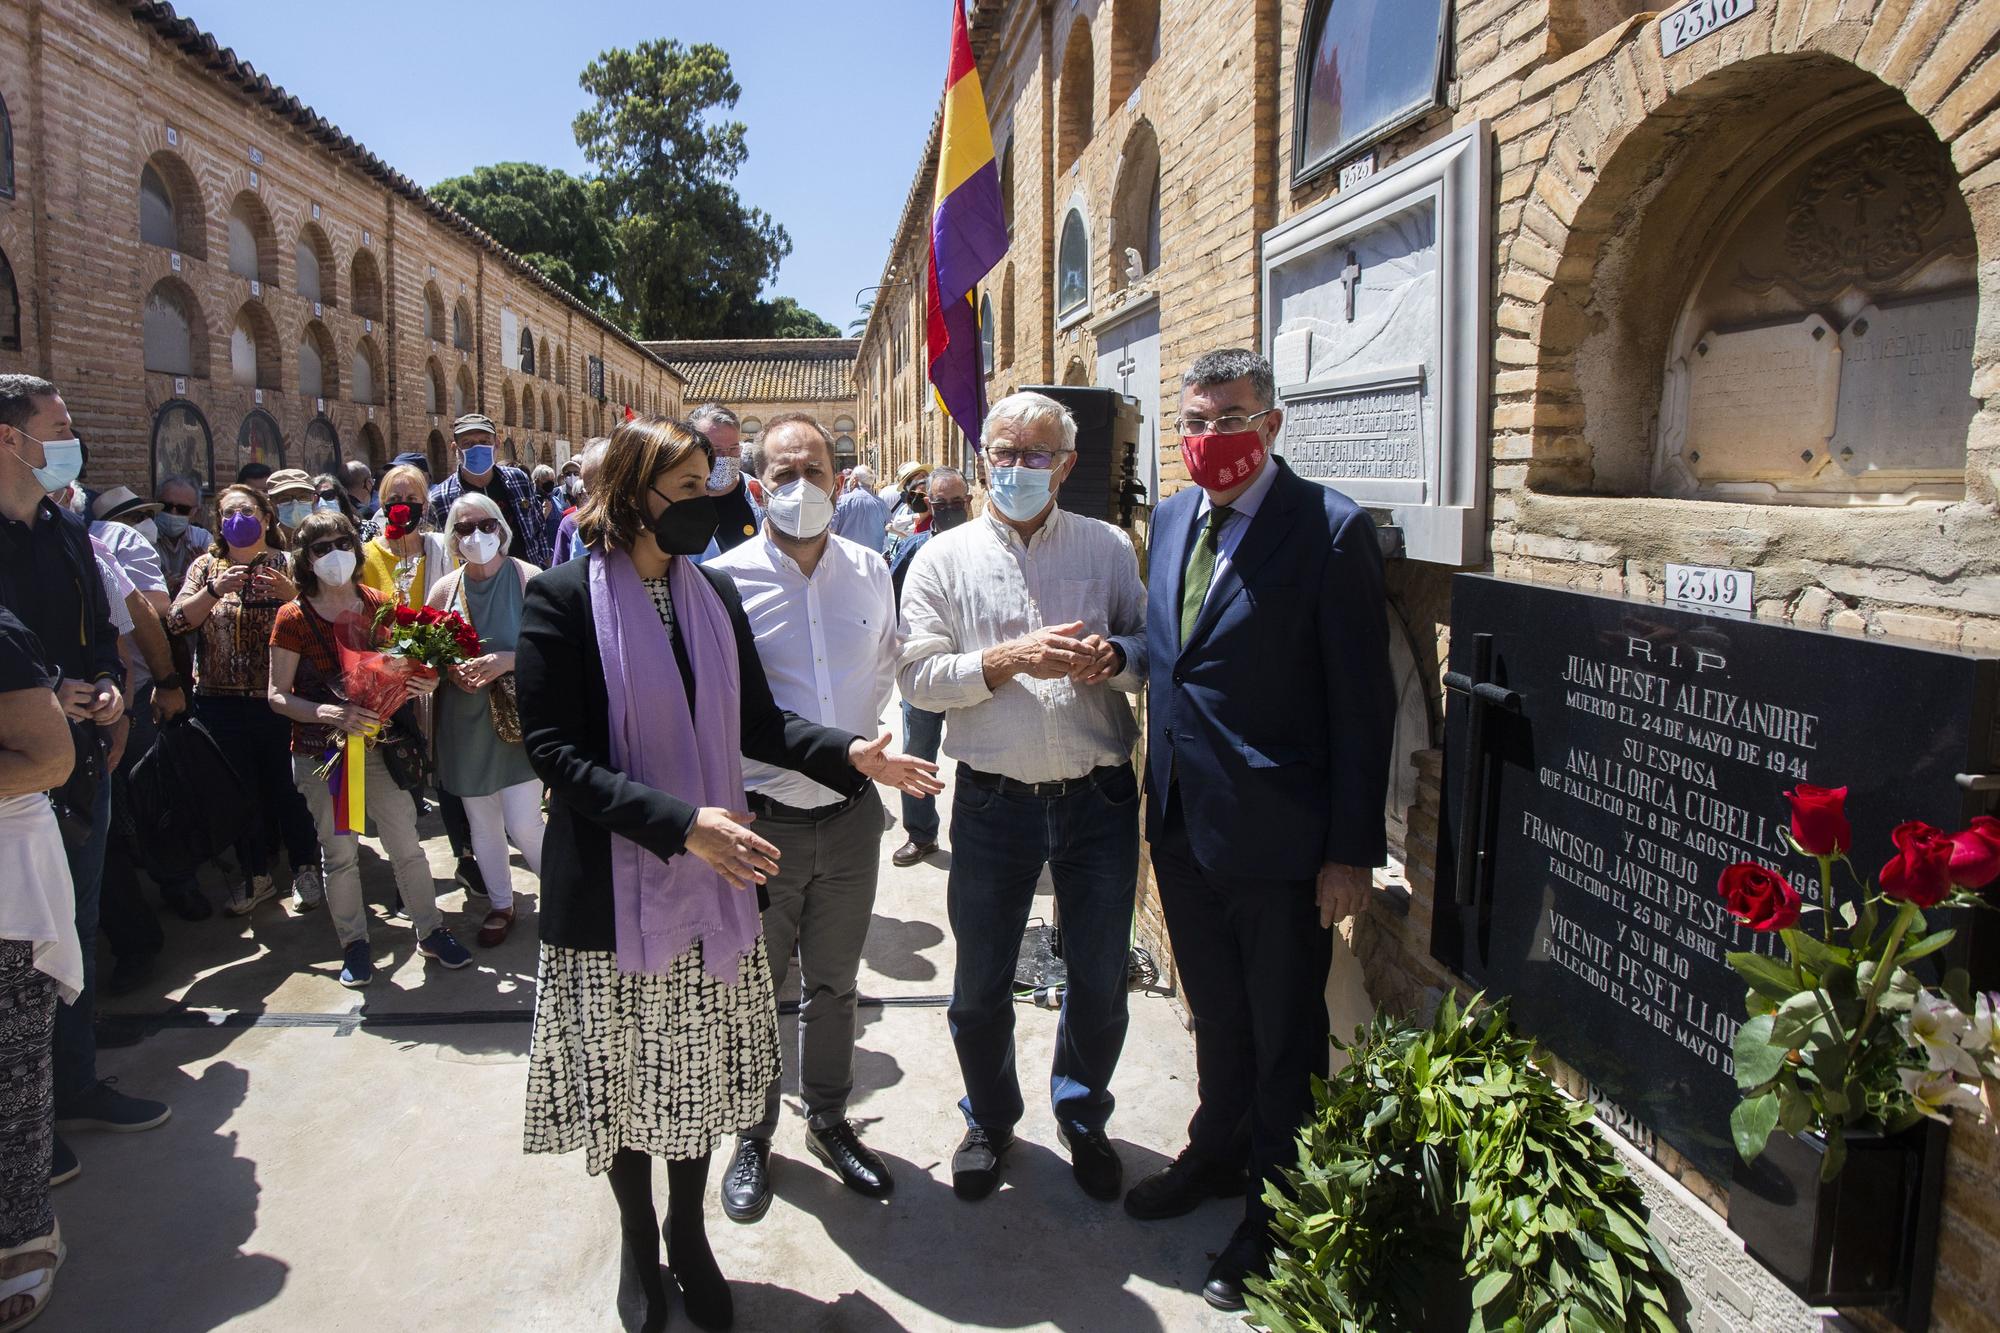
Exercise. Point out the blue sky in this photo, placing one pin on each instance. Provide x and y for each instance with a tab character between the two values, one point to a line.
837	95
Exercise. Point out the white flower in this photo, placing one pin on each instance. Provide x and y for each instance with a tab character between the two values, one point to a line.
1983	1033
1936	1027
1935	1094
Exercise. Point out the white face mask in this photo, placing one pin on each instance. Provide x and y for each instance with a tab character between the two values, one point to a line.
335	568
479	547
725	472
800	509
145	528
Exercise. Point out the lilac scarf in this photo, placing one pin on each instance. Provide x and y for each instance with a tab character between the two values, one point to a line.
663	907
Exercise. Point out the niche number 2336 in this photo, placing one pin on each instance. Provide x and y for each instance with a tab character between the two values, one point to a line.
1692	22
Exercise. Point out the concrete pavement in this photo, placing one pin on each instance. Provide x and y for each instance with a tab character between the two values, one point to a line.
326	1173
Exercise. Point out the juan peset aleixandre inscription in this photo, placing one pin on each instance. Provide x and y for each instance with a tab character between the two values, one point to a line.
1643	750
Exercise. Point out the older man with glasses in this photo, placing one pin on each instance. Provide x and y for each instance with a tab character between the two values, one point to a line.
1026	628
178	535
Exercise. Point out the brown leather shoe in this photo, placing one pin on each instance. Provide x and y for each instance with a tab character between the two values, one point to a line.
911	852
493	930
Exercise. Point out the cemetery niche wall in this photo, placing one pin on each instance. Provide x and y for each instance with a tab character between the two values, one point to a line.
1606	759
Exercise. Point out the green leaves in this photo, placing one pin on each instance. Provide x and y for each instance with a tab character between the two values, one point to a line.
1758	1060
1443	1183
1751	1123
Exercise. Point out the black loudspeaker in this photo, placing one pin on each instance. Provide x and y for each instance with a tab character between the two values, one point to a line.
1107	450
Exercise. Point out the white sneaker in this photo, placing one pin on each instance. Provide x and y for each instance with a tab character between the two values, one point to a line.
308	889
244	897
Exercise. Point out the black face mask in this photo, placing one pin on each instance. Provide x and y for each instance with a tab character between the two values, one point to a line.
917	501
948	516
685	527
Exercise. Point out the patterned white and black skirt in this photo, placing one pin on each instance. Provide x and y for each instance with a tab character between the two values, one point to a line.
668	1065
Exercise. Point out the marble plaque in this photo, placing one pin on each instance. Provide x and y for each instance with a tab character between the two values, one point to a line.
1761	402
1368	434
1906	386
1652	749
1375	322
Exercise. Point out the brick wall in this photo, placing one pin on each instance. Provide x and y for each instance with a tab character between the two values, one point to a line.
71	235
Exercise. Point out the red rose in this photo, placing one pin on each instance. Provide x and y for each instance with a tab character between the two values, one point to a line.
1920	873
406	615
1819	819
1761	899
430	615
1975	853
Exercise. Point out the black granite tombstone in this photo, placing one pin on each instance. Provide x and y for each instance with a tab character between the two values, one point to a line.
1628	752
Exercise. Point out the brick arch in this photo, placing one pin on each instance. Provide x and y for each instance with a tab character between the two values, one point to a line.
1135	203
1076	95
364	285
462	335
169	303
184	200
367	357
507	413
253	332
437	396
1647	159
436	325
312	241
315	335
1135	42
253	241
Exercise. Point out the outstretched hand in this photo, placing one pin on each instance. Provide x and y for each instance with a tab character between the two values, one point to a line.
906	773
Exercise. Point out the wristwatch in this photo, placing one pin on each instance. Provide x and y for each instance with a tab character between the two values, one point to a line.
173	682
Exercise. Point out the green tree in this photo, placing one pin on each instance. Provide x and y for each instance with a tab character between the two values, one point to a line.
691	255
786	318
555	221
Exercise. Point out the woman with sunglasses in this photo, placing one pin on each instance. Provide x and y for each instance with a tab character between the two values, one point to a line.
641	693
330	497
490	774
333	610
227	604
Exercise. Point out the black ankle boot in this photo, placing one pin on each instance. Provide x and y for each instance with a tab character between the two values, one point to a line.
704	1291
642	1286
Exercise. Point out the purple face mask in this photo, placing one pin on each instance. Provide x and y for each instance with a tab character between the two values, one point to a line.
241	530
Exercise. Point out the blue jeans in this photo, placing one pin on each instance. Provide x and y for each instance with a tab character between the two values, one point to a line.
923	731
1089	839
76	1037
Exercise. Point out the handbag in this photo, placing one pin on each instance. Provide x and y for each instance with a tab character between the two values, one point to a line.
503	696
75	802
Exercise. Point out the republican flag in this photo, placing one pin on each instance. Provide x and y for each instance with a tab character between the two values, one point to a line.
968	237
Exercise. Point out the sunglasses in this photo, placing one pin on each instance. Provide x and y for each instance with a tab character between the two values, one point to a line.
185	511
329	497
329	546
467	529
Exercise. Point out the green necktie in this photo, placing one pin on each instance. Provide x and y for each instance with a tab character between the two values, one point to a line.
1201	569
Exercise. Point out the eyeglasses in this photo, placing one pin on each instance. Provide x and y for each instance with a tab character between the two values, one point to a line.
467	529
319	549
948	506
1039	459
1220	426
185	511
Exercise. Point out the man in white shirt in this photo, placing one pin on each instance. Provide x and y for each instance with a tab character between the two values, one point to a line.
1026	628
825	622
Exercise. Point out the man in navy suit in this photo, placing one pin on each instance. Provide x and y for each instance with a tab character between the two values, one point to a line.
1266	775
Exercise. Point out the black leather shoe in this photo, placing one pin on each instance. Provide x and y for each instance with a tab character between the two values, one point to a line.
1182	1185
469	877
975	1167
1093	1161
1247	1255
911	852
836	1144
746	1185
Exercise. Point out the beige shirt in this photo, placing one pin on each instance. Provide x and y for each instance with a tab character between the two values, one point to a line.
980	585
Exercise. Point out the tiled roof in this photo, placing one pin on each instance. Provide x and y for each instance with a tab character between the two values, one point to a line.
223	64
763	370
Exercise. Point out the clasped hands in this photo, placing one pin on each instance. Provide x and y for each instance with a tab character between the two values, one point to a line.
1052	653
722	838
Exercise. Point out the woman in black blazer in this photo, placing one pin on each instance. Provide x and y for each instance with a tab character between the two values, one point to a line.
655	1023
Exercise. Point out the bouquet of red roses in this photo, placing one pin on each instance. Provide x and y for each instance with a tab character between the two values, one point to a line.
431	638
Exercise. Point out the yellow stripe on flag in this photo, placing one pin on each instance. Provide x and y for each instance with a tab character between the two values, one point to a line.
966	142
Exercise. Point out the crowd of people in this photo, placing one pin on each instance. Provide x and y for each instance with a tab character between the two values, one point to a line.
686	648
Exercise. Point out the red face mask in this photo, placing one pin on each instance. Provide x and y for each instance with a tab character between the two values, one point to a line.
1222	462
402	519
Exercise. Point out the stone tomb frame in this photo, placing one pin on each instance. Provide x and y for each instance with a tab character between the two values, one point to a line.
1375	320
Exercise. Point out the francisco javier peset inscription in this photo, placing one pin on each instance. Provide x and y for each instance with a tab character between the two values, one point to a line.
1651	749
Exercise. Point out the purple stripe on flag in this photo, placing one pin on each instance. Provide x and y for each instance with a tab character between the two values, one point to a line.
956	371
969	233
